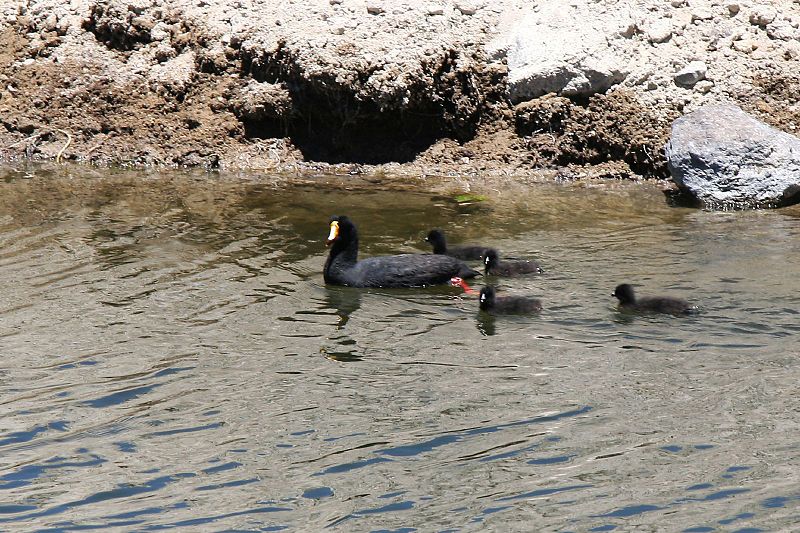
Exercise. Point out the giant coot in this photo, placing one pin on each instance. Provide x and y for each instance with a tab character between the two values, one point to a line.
406	270
440	247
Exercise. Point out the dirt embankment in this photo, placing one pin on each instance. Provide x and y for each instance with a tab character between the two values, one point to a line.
386	86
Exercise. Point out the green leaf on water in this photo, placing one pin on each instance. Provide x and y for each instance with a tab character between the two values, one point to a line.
469	198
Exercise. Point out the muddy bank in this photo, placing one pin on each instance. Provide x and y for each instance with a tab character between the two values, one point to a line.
444	88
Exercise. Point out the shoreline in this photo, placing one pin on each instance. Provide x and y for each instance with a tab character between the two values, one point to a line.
382	88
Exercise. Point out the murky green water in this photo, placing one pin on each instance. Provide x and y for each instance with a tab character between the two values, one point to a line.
172	359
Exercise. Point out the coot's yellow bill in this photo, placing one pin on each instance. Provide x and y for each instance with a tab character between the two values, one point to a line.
334	232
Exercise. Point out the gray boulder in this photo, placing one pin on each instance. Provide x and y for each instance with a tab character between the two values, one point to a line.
727	158
570	49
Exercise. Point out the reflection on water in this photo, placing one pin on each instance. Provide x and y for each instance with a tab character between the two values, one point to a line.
172	359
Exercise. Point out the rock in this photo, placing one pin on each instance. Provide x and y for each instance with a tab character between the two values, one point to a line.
733	8
567	51
374	9
691	74
704	86
702	14
466	7
727	158
659	32
781	30
745	45
762	15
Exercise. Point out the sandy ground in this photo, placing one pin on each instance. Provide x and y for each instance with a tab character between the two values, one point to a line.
423	88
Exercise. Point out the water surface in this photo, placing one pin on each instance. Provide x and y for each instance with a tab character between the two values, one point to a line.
172	359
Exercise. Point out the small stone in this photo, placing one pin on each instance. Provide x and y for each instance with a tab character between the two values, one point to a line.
337	30
374	9
733	8
334	2
628	29
434	11
745	45
781	30
791	50
704	86
28	61
677	3
160	31
466	7
702	14
660	31
691	74
762	15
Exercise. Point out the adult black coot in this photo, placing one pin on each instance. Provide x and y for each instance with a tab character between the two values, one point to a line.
436	238
505	305
407	270
656	304
510	267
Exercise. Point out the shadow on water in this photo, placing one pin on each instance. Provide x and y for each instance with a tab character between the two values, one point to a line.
344	302
486	324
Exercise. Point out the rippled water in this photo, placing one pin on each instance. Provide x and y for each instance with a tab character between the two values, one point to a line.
172	359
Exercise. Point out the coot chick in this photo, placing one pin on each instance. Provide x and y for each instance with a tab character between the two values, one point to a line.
436	238
506	305
510	267
406	270
657	304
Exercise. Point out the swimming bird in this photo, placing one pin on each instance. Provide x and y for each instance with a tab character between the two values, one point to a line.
510	267
436	238
657	304
406	270
505	305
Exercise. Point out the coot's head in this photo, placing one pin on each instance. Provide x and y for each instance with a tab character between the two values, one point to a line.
490	258
342	229
624	294
487	298
436	238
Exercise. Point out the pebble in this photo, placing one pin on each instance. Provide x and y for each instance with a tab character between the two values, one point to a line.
762	15
702	14
704	86
467	7
745	45
374	9
691	74
660	32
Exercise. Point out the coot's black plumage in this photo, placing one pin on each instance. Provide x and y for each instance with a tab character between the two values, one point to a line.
406	270
510	267
504	305
657	304
436	238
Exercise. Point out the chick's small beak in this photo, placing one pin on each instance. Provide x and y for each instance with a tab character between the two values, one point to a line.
333	234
